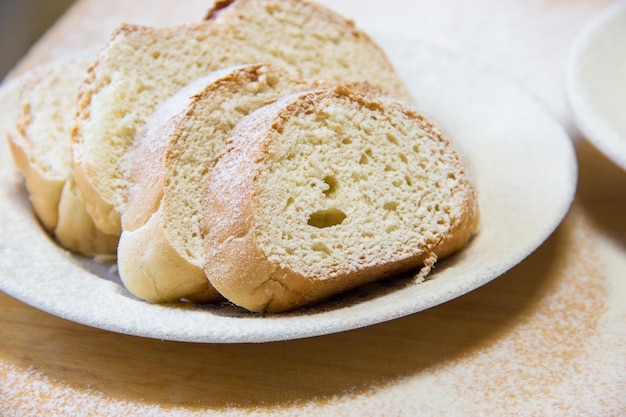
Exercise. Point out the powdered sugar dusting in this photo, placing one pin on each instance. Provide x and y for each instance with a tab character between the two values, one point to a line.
535	363
26	392
545	359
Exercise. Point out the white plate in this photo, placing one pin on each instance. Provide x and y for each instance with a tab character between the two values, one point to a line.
596	82
523	166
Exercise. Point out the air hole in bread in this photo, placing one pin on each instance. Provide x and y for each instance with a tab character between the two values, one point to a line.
392	138
392	228
326	218
320	247
391	205
331	181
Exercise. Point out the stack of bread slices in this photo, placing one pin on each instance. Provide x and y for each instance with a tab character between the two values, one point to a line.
268	156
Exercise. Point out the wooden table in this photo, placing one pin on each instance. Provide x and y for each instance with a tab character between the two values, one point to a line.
547	338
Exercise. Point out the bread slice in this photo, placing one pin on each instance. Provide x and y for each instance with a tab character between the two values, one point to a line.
160	255
142	66
41	146
326	190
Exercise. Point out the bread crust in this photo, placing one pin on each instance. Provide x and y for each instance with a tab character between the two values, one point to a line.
103	212
154	272
44	191
44	188
240	269
76	231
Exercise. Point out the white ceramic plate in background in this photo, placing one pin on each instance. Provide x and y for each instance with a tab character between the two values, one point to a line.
521	160
596	82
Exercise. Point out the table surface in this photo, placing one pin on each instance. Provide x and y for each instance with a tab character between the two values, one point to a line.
547	338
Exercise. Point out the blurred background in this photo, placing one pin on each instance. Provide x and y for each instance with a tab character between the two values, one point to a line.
22	22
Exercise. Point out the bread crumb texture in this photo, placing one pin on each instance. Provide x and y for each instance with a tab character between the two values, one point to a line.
200	138
142	66
354	187
47	101
170	166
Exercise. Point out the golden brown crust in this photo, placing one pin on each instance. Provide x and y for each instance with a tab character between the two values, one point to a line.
154	272
238	268
75	229
102	210
103	214
20	159
218	7
44	191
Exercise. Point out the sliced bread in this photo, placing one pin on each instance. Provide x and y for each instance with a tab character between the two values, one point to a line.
160	255
142	66
41	149
326	190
